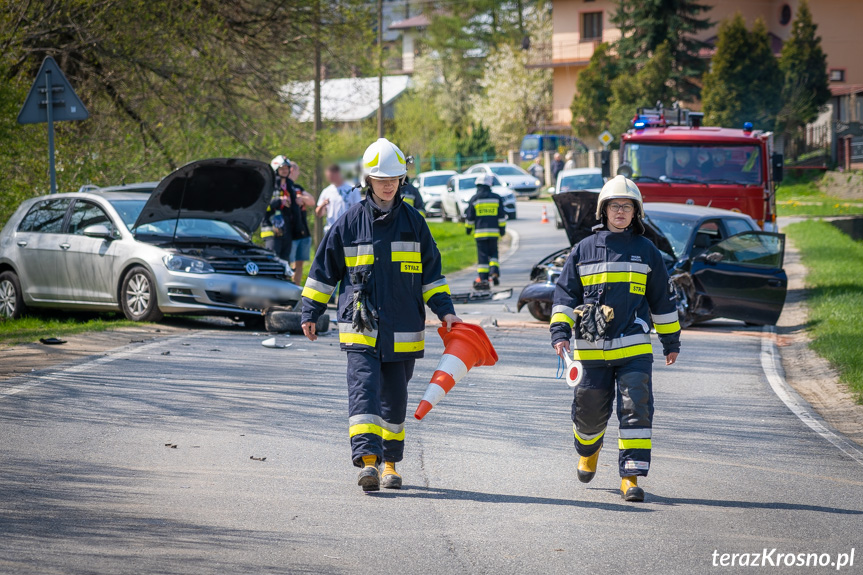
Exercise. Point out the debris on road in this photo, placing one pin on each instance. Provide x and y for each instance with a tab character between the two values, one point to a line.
166	353
253	458
272	343
51	341
171	445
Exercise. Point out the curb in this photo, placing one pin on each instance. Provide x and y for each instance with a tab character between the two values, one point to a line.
772	366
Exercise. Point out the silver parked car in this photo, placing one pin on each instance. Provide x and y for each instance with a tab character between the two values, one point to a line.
186	248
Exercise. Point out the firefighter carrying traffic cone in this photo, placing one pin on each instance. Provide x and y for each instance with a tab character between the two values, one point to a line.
382	256
486	219
613	287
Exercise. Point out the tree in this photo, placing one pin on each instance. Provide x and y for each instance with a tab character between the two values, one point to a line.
744	82
648	86
645	24
515	98
804	68
590	104
420	130
475	142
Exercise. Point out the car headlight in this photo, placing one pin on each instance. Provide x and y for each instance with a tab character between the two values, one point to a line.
177	263
537	183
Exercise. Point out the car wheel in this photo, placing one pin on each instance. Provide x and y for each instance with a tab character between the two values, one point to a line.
11	296
138	296
541	310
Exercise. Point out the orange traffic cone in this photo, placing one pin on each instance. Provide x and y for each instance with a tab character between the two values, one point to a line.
544	219
466	346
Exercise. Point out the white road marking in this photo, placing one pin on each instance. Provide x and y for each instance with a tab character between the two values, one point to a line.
513	246
772	367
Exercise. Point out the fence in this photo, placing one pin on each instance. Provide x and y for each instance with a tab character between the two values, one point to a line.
457	163
809	148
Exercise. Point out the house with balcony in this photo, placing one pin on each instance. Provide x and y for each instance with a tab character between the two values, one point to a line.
579	26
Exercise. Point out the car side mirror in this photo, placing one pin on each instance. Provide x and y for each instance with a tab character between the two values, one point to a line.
777	161
99	231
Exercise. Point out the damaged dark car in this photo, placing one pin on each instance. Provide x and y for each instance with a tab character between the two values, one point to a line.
720	264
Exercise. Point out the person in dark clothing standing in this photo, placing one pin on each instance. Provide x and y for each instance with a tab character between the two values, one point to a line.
612	289
301	237
382	256
557	165
486	220
275	229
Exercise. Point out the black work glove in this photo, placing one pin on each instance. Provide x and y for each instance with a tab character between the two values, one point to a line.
467	230
594	320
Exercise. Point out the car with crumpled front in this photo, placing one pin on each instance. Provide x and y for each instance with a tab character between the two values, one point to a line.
720	264
184	249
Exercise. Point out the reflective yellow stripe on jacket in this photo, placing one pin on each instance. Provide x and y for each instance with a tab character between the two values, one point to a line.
612	349
408	341
318	291
436	287
361	255
666	323
563	314
349	336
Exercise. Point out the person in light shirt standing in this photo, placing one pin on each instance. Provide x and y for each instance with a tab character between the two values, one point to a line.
337	198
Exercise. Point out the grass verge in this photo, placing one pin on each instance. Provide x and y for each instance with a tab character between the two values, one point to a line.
801	196
457	249
32	327
835	285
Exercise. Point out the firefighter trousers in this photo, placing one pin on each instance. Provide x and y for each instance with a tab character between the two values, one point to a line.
486	255
377	401
632	384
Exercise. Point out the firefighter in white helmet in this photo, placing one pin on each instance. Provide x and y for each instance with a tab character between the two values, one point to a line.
382	256
613	288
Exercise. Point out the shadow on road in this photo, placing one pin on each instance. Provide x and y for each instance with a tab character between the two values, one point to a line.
781	505
436	493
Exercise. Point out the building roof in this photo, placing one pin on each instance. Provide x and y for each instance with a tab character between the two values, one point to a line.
418	21
343	99
846	89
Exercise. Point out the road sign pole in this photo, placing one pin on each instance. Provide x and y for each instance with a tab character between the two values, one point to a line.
50	99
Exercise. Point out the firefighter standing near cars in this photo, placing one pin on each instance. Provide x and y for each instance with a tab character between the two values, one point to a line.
613	287
411	196
486	219
276	227
382	252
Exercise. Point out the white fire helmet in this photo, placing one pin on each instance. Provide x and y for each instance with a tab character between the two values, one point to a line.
485	180
619	187
383	160
278	162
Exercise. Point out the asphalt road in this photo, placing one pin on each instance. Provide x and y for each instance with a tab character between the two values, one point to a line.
138	462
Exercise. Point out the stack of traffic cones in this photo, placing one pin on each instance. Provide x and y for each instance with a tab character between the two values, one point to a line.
544	219
466	346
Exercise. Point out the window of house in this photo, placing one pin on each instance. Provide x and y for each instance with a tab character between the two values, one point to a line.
837	75
591	26
785	15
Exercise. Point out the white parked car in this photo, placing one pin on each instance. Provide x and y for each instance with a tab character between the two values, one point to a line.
579	179
510	176
462	187
432	186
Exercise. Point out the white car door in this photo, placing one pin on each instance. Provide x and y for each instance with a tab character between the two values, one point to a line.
42	250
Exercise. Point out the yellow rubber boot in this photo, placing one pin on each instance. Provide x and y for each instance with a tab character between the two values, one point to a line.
629	489
369	478
391	479
587	467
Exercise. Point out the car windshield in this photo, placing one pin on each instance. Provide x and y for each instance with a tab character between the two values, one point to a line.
704	164
507	171
530	144
440	180
676	230
581	182
129	210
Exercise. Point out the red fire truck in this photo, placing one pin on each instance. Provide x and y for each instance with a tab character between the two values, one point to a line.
673	158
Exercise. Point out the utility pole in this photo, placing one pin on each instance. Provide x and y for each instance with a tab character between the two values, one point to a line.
318	174
380	68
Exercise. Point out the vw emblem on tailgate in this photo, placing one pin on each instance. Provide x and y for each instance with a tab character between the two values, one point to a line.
252	268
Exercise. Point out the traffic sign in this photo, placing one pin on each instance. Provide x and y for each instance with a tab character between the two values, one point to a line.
51	99
65	104
606	138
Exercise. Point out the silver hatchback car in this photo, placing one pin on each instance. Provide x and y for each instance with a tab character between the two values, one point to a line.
186	248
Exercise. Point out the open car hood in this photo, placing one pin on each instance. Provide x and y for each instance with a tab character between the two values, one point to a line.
235	191
578	215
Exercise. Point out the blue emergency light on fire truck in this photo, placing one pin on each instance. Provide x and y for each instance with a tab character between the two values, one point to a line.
661	117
